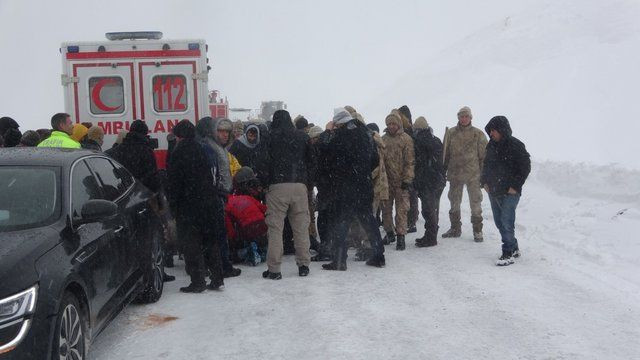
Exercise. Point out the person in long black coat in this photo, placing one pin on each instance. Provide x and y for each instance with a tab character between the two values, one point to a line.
136	155
429	178
352	158
247	148
194	201
507	165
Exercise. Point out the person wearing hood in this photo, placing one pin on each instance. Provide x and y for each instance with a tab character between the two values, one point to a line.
60	136
136	155
399	159
430	179
9	130
288	162
194	202
464	151
247	147
507	165
414	212
352	158
216	134
30	138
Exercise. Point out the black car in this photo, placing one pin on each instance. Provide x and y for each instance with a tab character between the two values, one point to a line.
79	240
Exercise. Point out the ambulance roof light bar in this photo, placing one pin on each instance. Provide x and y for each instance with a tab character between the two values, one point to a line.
134	35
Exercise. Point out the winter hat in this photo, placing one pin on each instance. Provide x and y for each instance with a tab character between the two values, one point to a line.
359	117
30	138
341	116
421	123
373	127
465	110
351	110
96	134
185	129
300	122
225	124
139	126
394	117
121	135
500	123
245	174
315	131
79	131
7	123
12	137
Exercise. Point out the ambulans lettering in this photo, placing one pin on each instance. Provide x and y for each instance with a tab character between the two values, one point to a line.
159	126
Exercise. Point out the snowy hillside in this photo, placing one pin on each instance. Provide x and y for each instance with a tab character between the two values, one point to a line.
575	293
564	72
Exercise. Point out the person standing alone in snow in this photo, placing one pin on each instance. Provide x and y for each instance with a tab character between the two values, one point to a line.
464	149
505	170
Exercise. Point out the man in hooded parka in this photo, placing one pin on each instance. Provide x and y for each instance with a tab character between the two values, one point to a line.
194	201
247	147
414	211
399	157
464	149
207	130
506	167
352	158
289	157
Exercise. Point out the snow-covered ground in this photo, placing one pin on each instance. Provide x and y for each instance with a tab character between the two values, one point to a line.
575	293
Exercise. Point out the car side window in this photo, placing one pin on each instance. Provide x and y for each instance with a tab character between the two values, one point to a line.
84	187
124	174
110	178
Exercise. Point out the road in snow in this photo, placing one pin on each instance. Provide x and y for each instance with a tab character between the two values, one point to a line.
573	295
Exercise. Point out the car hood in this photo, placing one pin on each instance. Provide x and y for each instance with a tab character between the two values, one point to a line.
19	251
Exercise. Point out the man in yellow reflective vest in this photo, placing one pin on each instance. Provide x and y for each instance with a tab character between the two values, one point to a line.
60	136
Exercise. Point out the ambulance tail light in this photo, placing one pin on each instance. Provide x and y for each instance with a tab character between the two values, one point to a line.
73	49
194	46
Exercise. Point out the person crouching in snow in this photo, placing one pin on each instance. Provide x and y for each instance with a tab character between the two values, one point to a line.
245	218
506	167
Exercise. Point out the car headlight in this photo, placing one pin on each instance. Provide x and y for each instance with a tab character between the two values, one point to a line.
14	320
18	305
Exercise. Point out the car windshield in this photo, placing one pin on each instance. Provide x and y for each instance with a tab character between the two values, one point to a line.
29	197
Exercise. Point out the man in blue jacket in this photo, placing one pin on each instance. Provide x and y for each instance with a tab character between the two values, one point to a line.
506	167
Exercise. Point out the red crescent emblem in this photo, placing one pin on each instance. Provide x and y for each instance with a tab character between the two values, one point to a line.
95	94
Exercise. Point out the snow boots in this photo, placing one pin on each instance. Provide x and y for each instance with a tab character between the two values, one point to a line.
377	261
506	259
194	288
426	241
456	226
400	245
218	285
339	262
271	275
389	238
303	270
477	228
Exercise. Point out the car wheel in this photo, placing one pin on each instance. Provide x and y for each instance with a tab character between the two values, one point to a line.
154	275
71	330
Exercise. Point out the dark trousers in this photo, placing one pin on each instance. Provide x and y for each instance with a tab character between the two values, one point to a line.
345	215
201	251
430	200
414	212
220	232
325	221
504	215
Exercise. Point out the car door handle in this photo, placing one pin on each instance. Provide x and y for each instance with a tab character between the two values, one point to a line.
118	229
142	211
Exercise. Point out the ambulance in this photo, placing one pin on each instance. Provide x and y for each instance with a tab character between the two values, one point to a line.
136	75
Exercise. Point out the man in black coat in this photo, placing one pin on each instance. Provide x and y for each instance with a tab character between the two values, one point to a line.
247	147
136	155
429	179
506	167
194	202
287	163
352	158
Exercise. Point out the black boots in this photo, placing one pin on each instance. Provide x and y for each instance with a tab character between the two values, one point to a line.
194	288
400	245
506	259
303	270
426	241
377	261
233	272
389	238
339	262
272	276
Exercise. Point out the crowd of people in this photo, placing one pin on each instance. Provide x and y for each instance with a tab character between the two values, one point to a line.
250	193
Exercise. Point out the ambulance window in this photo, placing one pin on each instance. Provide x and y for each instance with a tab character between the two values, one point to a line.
107	95
170	93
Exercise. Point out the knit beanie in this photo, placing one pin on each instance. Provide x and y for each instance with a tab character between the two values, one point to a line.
79	131
12	137
465	110
351	110
139	126
185	129
315	131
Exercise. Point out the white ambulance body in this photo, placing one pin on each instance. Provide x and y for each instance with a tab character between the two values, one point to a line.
136	76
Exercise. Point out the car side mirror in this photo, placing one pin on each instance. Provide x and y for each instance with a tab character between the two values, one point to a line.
96	210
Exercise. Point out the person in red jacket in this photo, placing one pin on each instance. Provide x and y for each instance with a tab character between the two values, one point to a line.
245	218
